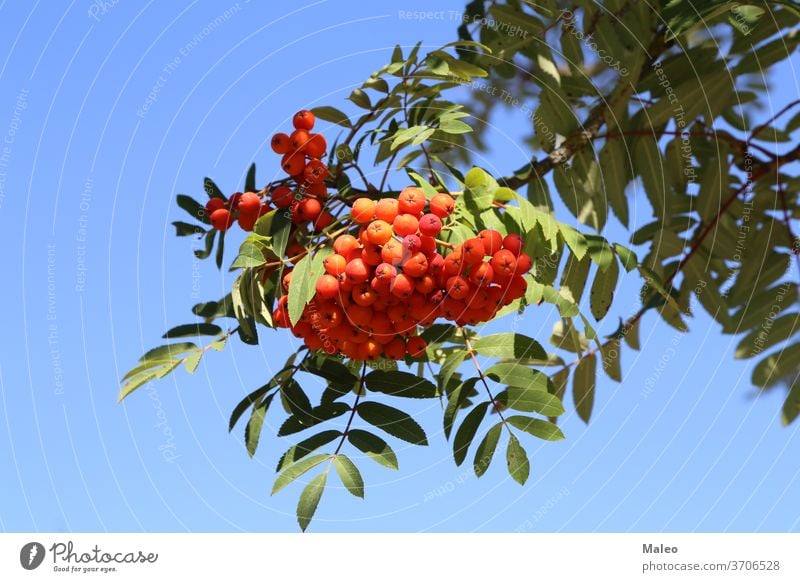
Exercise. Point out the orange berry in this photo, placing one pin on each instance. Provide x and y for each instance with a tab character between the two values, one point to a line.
457	287
331	315
405	224
249	203
442	205
425	284
524	264
379	232
411	200
412	243
430	225
451	308
481	274
293	163
427	245
395	349
473	250
319	190
385	271
387	209
513	243
214	204
392	252
516	288
247	221
416	265
315	172
307	210
316	146
282	196
280	143
363	210
402	286
221	219
492	241
371	255
327	286
299	138
416	347
323	221
370	350
287	279
303	119
503	264
454	262
344	244
334	264
357	271
364	295
359	315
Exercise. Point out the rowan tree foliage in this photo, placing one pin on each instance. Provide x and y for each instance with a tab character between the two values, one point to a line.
661	104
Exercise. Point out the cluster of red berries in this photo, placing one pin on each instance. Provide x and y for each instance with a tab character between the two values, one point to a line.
244	208
306	192
303	194
379	287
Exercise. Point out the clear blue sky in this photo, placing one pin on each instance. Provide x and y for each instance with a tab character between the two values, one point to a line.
93	276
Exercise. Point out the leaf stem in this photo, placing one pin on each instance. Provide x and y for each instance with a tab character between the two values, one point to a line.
482	377
352	411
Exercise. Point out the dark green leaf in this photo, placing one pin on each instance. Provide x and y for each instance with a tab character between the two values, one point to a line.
319	414
537	427
583	384
253	430
248	401
486	448
603	287
466	432
332	115
517	459
396	383
193	329
193	207
509	345
309	500
374	447
298	469
186	229
296	400
250	179
395	422
349	474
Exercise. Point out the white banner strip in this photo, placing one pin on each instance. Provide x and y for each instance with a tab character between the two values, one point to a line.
400	557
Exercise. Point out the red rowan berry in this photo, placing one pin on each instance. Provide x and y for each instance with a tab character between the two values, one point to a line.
513	243
442	205
303	119
221	219
492	241
344	244
316	146
503	263
334	264
363	210
430	225
405	224
387	209
282	196
357	271
280	143
315	172
411	200
214	204
402	286
379	232
416	347
250	203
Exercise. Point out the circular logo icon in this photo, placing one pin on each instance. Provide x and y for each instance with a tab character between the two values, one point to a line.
31	555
